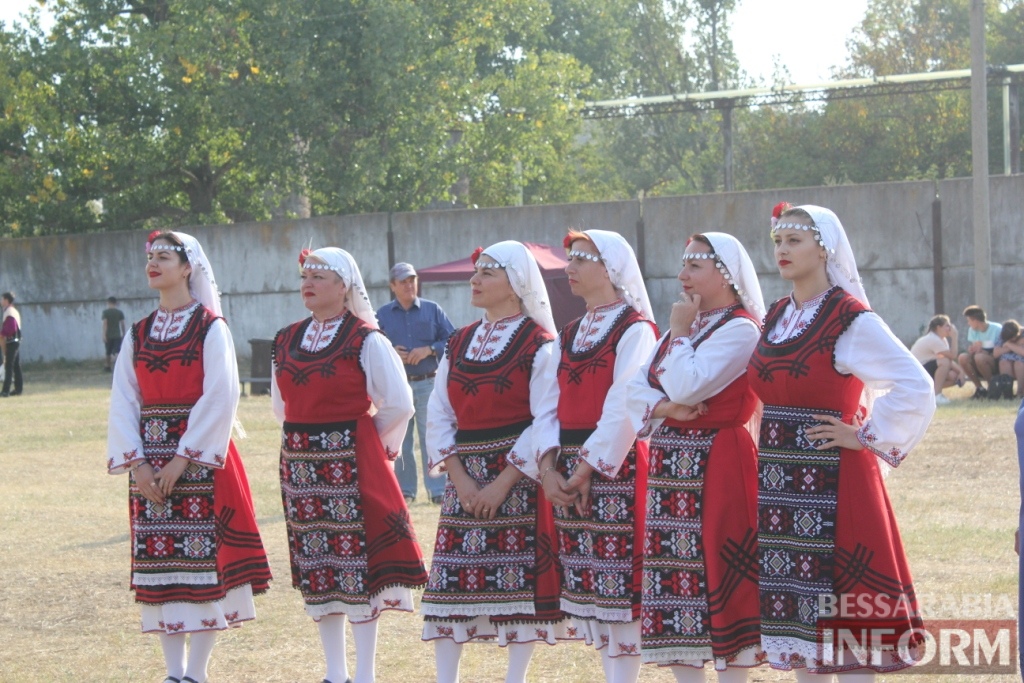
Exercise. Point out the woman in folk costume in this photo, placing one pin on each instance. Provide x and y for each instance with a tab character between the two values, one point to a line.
197	557
700	601
494	575
352	547
827	536
598	481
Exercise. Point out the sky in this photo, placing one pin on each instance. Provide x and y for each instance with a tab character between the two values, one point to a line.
808	37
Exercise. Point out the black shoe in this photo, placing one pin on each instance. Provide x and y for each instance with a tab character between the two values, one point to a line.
408	500
437	500
980	392
4	394
172	679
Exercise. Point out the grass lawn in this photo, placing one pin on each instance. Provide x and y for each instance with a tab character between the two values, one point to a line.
66	613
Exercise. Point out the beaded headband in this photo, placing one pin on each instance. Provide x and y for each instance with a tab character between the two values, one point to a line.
585	256
491	264
165	247
801	226
702	256
316	266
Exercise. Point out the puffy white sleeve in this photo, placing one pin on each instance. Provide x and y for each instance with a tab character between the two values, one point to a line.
441	422
124	438
900	416
205	441
543	434
388	390
642	398
690	375
276	400
606	448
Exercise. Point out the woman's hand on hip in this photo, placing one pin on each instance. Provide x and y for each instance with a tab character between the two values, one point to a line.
834	433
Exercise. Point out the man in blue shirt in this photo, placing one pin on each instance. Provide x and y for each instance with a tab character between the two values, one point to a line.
418	329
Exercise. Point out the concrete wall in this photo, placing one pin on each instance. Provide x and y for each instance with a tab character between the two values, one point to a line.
62	282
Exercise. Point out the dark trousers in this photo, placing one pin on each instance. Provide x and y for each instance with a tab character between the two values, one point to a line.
12	367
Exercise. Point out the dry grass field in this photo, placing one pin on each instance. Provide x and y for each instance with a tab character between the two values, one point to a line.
66	613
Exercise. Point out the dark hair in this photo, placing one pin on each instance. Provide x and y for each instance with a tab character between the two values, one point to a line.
937	322
1010	331
8	295
975	312
171	238
697	237
111	299
798	212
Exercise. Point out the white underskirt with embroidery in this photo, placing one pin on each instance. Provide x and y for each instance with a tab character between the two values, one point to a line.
166	578
482	629
391	598
187	617
621	639
697	656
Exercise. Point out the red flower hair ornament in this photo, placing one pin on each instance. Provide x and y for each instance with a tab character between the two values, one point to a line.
475	256
149	240
778	210
302	256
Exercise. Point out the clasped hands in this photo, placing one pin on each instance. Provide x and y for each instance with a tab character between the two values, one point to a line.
156	485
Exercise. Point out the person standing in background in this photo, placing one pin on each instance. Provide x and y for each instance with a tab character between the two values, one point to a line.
10	345
113	332
418	329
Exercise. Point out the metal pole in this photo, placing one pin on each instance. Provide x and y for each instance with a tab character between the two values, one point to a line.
1014	128
730	184
979	160
1007	156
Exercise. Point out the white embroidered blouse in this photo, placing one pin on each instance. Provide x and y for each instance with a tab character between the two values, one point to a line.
488	343
211	419
606	448
386	385
690	375
904	398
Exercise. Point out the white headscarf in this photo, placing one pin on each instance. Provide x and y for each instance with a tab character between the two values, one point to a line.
342	263
526	280
840	264
739	272
201	284
623	269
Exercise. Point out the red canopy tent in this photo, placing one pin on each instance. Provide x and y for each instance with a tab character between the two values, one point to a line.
565	307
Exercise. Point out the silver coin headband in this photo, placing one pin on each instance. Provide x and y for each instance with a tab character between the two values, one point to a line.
707	256
801	226
490	264
164	246
585	256
316	266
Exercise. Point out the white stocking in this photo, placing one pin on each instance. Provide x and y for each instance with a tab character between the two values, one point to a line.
625	669
365	635
856	677
606	662
688	674
519	655
174	653
200	647
736	674
332	639
447	655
